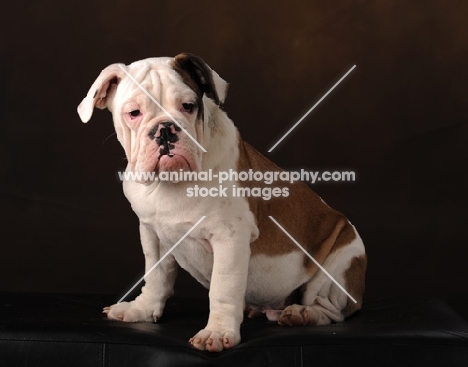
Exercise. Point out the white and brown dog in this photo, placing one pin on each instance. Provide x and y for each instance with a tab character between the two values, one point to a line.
237	252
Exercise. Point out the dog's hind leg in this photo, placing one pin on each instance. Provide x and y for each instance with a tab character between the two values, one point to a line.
323	301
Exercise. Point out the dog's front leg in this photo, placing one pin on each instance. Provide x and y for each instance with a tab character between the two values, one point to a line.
159	283
231	254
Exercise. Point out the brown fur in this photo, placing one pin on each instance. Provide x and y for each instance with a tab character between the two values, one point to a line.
198	76
189	80
325	231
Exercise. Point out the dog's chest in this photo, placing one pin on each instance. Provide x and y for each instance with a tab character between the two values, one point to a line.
166	212
197	259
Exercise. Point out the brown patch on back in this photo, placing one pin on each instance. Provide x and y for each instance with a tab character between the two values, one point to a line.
355	283
317	227
341	234
346	236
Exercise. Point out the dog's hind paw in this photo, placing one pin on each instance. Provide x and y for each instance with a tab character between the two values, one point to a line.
214	341
130	312
296	315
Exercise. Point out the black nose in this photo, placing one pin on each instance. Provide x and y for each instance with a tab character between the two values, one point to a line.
164	134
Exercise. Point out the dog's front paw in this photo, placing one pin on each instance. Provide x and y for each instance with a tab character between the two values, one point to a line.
131	312
215	341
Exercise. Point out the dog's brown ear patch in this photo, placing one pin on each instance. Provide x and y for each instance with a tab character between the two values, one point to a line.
200	77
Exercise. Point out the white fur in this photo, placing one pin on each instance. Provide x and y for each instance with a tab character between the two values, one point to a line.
273	278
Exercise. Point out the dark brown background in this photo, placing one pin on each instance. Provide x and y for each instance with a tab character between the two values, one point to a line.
399	120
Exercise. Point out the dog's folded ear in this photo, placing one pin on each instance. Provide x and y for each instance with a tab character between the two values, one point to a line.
101	91
194	70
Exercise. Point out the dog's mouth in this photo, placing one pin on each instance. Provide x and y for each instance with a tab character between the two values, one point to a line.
172	162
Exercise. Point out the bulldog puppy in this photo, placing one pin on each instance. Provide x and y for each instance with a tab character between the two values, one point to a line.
161	108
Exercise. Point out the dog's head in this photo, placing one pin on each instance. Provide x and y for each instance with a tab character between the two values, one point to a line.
159	107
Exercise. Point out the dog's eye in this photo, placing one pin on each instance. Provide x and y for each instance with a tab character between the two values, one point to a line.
188	107
135	113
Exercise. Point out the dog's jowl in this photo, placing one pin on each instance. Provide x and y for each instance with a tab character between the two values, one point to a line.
248	263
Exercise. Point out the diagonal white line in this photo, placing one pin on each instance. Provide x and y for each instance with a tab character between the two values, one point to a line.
315	261
162	108
162	258
307	113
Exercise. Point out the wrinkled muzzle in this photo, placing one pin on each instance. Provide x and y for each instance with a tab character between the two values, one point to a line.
165	135
165	148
